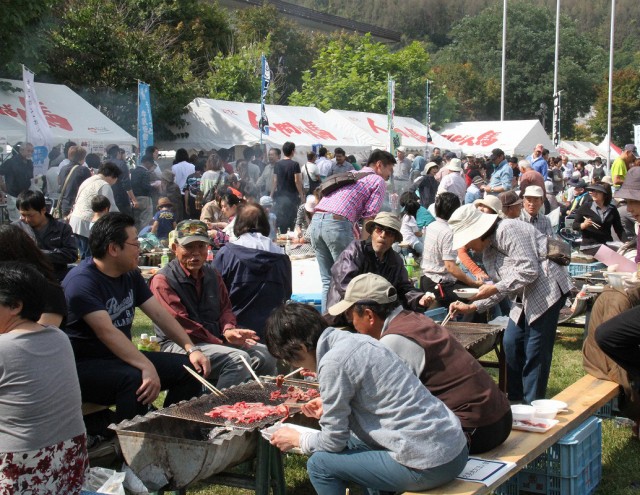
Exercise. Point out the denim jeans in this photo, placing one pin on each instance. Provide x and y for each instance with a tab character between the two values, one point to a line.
83	246
376	471
329	238
528	349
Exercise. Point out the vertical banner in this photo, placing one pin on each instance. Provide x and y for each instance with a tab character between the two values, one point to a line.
556	119
263	124
636	135
38	130
145	121
394	137
428	116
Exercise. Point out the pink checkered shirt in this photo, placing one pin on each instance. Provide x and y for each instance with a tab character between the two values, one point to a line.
355	201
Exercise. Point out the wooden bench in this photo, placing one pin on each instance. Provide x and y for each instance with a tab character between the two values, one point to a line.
584	398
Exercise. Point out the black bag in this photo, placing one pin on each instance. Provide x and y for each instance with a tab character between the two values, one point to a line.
338	181
559	251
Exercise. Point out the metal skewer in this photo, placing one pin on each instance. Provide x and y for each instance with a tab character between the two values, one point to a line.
204	382
253	373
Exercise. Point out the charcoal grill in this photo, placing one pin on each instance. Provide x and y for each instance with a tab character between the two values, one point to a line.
179	445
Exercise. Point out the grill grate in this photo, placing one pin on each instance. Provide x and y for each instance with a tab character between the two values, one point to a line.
195	409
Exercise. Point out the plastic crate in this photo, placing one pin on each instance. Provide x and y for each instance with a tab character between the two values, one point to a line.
610	410
573	466
314	300
437	314
581	268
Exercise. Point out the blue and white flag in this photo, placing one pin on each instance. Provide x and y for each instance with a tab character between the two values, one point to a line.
38	130
263	124
145	121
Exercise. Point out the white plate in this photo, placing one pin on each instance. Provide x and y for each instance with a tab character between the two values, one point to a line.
466	293
557	404
548	424
268	432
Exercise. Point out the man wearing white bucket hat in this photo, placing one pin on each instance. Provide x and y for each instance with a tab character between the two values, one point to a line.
515	257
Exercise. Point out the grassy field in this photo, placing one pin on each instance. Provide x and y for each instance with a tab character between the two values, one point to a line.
621	452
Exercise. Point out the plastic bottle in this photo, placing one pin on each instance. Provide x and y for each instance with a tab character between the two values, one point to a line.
154	343
209	254
144	342
410	264
164	260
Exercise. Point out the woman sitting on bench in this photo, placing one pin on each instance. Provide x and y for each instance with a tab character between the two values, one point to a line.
380	428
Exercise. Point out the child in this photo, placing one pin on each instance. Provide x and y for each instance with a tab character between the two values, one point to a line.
100	205
164	220
410	230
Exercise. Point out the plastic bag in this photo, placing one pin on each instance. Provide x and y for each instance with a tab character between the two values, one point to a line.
104	480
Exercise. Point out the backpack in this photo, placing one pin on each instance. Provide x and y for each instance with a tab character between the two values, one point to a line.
338	181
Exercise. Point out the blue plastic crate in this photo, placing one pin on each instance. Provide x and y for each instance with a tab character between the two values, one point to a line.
314	300
437	314
610	410
581	268
573	466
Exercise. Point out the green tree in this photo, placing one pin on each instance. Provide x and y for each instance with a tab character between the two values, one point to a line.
477	41
625	107
350	73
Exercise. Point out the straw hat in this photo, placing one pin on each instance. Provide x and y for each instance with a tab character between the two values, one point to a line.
469	223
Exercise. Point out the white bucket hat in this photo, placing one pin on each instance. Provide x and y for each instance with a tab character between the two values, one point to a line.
455	165
469	223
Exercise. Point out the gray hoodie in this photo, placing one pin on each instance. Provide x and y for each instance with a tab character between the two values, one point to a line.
368	391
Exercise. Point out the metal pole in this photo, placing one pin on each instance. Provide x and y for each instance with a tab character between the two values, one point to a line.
504	57
613	23
555	59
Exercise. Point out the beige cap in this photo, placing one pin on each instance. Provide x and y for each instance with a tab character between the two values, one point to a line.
367	287
533	192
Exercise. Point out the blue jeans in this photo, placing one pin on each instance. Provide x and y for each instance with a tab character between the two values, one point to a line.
83	246
329	238
528	349
376	471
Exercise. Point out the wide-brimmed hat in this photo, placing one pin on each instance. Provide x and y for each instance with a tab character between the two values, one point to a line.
469	223
364	288
428	167
455	165
310	203
385	219
168	175
604	189
490	202
534	192
631	187
189	231
509	198
164	201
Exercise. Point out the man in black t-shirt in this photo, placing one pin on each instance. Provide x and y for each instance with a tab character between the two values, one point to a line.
102	293
286	188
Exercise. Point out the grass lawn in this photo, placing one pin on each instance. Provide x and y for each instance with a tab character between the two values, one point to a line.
621	452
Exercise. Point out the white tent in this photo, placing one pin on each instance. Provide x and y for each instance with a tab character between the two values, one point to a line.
588	150
224	124
514	137
70	117
413	132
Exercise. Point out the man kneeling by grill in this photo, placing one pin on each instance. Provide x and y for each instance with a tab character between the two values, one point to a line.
194	293
435	356
380	427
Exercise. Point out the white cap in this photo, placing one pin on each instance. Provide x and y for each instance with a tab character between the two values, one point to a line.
534	192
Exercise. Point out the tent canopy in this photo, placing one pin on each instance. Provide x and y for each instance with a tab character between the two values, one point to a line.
224	124
70	117
514	137
413	132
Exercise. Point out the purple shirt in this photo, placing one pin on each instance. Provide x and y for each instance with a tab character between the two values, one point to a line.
355	201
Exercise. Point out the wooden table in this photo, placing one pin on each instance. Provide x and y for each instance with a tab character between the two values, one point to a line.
480	339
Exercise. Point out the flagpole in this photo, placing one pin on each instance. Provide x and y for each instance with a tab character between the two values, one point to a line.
261	92
613	23
504	57
138	124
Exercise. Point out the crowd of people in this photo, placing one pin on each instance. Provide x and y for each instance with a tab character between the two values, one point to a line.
222	299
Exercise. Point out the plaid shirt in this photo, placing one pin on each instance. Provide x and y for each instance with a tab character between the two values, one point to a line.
516	259
355	201
540	222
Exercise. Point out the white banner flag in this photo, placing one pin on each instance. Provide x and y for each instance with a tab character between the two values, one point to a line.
38	131
636	135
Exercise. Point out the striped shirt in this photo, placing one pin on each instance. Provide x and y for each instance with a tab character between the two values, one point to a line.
438	247
362	199
516	259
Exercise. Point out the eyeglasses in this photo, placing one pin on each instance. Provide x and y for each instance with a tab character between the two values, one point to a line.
134	244
379	229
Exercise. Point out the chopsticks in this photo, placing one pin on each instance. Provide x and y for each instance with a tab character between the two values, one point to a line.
253	373
447	318
595	225
204	382
293	373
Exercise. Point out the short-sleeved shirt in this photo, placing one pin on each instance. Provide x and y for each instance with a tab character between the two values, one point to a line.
439	238
618	167
88	290
165	219
285	171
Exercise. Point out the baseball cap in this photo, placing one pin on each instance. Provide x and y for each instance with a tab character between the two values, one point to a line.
401	149
632	148
189	231
367	287
495	153
534	192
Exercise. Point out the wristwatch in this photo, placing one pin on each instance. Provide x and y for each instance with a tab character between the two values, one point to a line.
193	349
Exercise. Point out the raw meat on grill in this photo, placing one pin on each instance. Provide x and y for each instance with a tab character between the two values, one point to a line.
247	412
279	381
295	394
